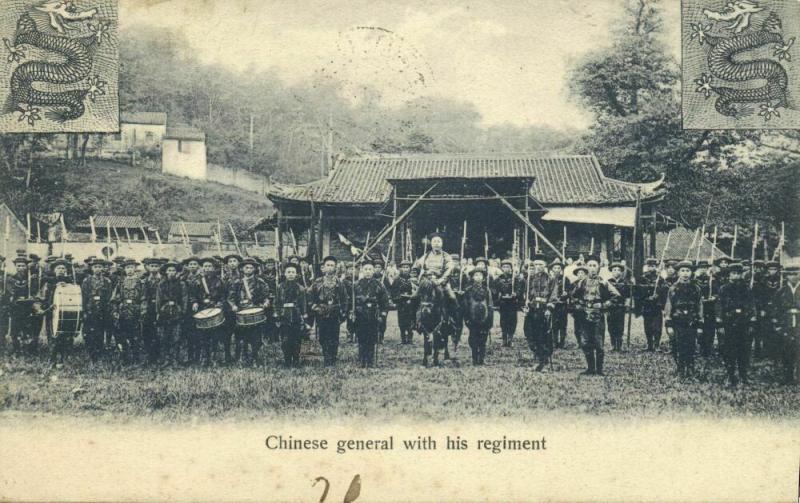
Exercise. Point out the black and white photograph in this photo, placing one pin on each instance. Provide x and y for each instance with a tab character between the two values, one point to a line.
400	251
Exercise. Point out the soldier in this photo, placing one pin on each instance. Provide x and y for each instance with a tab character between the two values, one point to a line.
230	274
578	315
721	272
458	281
60	343
270	276
150	281
647	300
506	291
129	302
372	303
761	295
172	302
438	261
248	291
96	292
379	274
592	296
787	306
406	308
478	293
615	316
771	315
4	307
292	312
735	312
535	297
682	315
561	287
349	280
190	275
709	288
206	293
328	300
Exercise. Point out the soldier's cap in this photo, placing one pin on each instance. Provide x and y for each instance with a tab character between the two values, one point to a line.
479	260
651	261
378	261
217	257
57	262
539	257
475	269
232	255
365	261
415	270
293	258
291	266
21	251
208	260
118	259
702	264
435	235
405	262
150	260
720	260
249	261
330	258
171	263
506	261
736	267
270	262
580	267
50	259
556	262
617	265
773	264
21	260
759	262
98	261
685	264
163	260
670	262
591	258
68	256
130	261
791	269
193	258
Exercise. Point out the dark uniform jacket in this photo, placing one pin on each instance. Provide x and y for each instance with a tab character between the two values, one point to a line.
128	299
591	296
684	303
290	304
247	291
788	307
207	292
476	293
506	291
371	299
150	288
736	301
540	292
403	290
96	292
623	288
172	300
644	294
328	298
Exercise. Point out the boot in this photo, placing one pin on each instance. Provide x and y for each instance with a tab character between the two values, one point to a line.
590	367
599	368
475	356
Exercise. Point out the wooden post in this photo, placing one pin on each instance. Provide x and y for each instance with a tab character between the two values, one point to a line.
527	215
391	252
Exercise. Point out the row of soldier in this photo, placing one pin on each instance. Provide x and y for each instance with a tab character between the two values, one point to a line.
153	311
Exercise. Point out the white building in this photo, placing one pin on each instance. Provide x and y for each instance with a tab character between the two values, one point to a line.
137	129
184	153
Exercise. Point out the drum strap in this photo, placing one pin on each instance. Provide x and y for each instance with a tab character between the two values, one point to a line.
247	289
205	285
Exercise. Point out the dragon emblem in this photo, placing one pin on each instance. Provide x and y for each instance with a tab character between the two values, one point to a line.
63	80
738	36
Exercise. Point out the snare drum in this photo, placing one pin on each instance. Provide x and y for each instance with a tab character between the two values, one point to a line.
67	309
251	317
207	319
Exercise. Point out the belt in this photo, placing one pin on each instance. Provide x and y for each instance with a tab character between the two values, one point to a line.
369	304
794	311
540	299
289	304
171	303
128	301
96	297
738	311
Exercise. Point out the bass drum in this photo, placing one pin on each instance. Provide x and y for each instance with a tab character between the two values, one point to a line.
251	317
209	318
67	309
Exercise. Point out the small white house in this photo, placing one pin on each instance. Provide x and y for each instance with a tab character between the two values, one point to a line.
183	153
137	129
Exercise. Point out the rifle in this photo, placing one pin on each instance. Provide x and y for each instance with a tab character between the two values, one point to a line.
661	262
691	245
753	256
733	244
633	268
711	268
461	257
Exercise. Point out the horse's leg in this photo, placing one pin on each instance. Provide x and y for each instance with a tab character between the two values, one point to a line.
426	348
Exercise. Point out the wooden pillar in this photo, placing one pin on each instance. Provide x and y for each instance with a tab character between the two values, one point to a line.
279	244
653	232
319	239
525	253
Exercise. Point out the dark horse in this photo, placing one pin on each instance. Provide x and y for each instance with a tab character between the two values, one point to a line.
430	318
478	318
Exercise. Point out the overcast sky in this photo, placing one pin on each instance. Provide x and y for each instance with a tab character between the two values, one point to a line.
509	57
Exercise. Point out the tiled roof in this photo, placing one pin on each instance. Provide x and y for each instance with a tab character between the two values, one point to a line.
184	133
119	221
560	179
679	244
195	228
153	118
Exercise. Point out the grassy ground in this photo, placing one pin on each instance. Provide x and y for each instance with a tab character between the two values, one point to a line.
637	384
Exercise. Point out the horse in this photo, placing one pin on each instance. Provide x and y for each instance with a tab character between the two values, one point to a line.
429	318
478	318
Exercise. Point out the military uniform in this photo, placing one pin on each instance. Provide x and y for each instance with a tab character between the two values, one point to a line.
478	294
558	324
246	292
292	311
615	316
172	304
683	312
96	292
507	295
372	303
457	282
4	311
591	296
206	293
150	343
788	346
21	300
536	297
63	343
406	308
270	277
709	289
649	299
128	305
736	308
328	300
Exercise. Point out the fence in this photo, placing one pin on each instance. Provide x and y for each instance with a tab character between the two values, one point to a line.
237	178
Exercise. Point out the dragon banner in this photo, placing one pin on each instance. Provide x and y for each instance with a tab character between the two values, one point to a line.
59	66
740	66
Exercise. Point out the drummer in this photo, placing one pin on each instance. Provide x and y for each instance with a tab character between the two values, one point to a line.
128	304
206	293
61	345
248	291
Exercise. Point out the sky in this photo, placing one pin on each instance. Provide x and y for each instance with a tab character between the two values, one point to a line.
509	58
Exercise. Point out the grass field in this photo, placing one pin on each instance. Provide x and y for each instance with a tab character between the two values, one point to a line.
637	384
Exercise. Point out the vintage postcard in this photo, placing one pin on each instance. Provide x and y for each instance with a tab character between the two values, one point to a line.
402	251
740	67
59	65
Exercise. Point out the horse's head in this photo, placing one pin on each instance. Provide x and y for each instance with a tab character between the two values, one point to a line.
429	311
